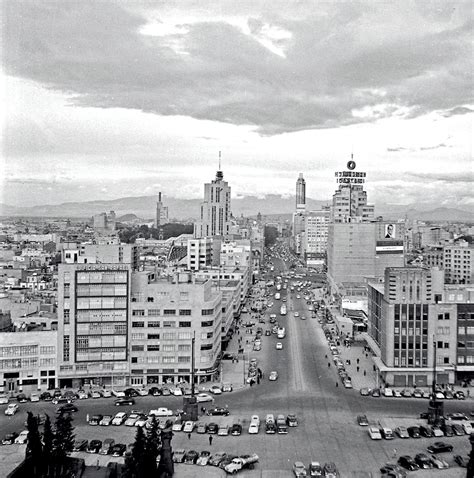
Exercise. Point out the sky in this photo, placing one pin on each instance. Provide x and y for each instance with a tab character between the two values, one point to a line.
107	99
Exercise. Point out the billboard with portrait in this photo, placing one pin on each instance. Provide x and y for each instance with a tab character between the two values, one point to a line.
390	231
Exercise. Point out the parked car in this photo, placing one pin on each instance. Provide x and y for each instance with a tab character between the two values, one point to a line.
3	399
215	389
456	416
106	420
273	375
80	445
330	470
96	394
161	412
131	420
362	420
46	396
315	469
9	438
95	420
437	432
35	397
402	432
119	418
458	429
426	432
124	401
393	470
178	455
82	394
218	411
212	428
190	457
236	429
423	461
365	392
130	392
375	392
374	433
107	446
94	446
21	398
118	449
447	430
216	458
223	429
438	462
408	462
462	461
11	409
106	393
203	458
406	393
440	447
299	469
22	438
155	391
414	432
188	426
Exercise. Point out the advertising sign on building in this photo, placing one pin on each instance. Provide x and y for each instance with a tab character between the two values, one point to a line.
389	247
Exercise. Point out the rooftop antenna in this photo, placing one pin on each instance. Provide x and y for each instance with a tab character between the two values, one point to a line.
219	160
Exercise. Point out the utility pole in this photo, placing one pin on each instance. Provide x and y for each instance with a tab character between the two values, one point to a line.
193	341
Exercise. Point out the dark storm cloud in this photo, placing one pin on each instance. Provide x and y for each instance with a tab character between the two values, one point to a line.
338	68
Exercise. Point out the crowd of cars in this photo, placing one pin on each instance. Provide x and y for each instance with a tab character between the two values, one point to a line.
227	461
315	468
412	393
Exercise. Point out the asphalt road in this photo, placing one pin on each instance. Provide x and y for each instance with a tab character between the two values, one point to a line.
306	386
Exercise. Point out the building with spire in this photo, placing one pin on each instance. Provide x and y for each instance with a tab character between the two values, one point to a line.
349	202
300	193
215	209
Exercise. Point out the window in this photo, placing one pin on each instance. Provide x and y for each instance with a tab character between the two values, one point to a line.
168	348
138	336
153	312
440	316
66	348
138	348
138	324
138	312
66	316
446	345
183	359
153	336
207	323
184	335
440	344
446	360
207	311
168	335
47	349
184	348
153	323
153	348
206	347
169	323
185	324
169	312
184	312
460	358
168	359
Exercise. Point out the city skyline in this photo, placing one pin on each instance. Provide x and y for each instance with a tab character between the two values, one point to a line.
145	104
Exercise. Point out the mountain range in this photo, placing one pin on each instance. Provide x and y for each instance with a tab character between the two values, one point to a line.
188	209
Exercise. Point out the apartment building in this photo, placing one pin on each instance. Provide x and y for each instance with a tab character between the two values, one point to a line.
166	314
28	361
458	262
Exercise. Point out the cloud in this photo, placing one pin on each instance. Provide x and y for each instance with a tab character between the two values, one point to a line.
276	71
398	149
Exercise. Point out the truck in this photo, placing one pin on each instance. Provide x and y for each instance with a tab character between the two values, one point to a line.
277	296
244	461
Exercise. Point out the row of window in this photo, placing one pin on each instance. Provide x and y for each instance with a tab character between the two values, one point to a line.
409	361
166	324
97	277
19	350
18	363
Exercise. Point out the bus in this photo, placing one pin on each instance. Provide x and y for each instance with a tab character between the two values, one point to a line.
283	309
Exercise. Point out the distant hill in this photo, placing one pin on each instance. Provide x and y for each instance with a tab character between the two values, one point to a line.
129	218
188	209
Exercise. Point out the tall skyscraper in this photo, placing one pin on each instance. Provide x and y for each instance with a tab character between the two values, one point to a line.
300	193
215	209
161	212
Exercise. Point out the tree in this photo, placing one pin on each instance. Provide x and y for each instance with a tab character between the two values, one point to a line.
63	442
135	462
34	447
151	448
48	441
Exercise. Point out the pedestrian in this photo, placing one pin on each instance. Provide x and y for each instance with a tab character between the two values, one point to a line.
467	393
337	384
329	364
326	356
87	418
189	436
365	373
357	361
394	453
357	368
258	380
210	439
